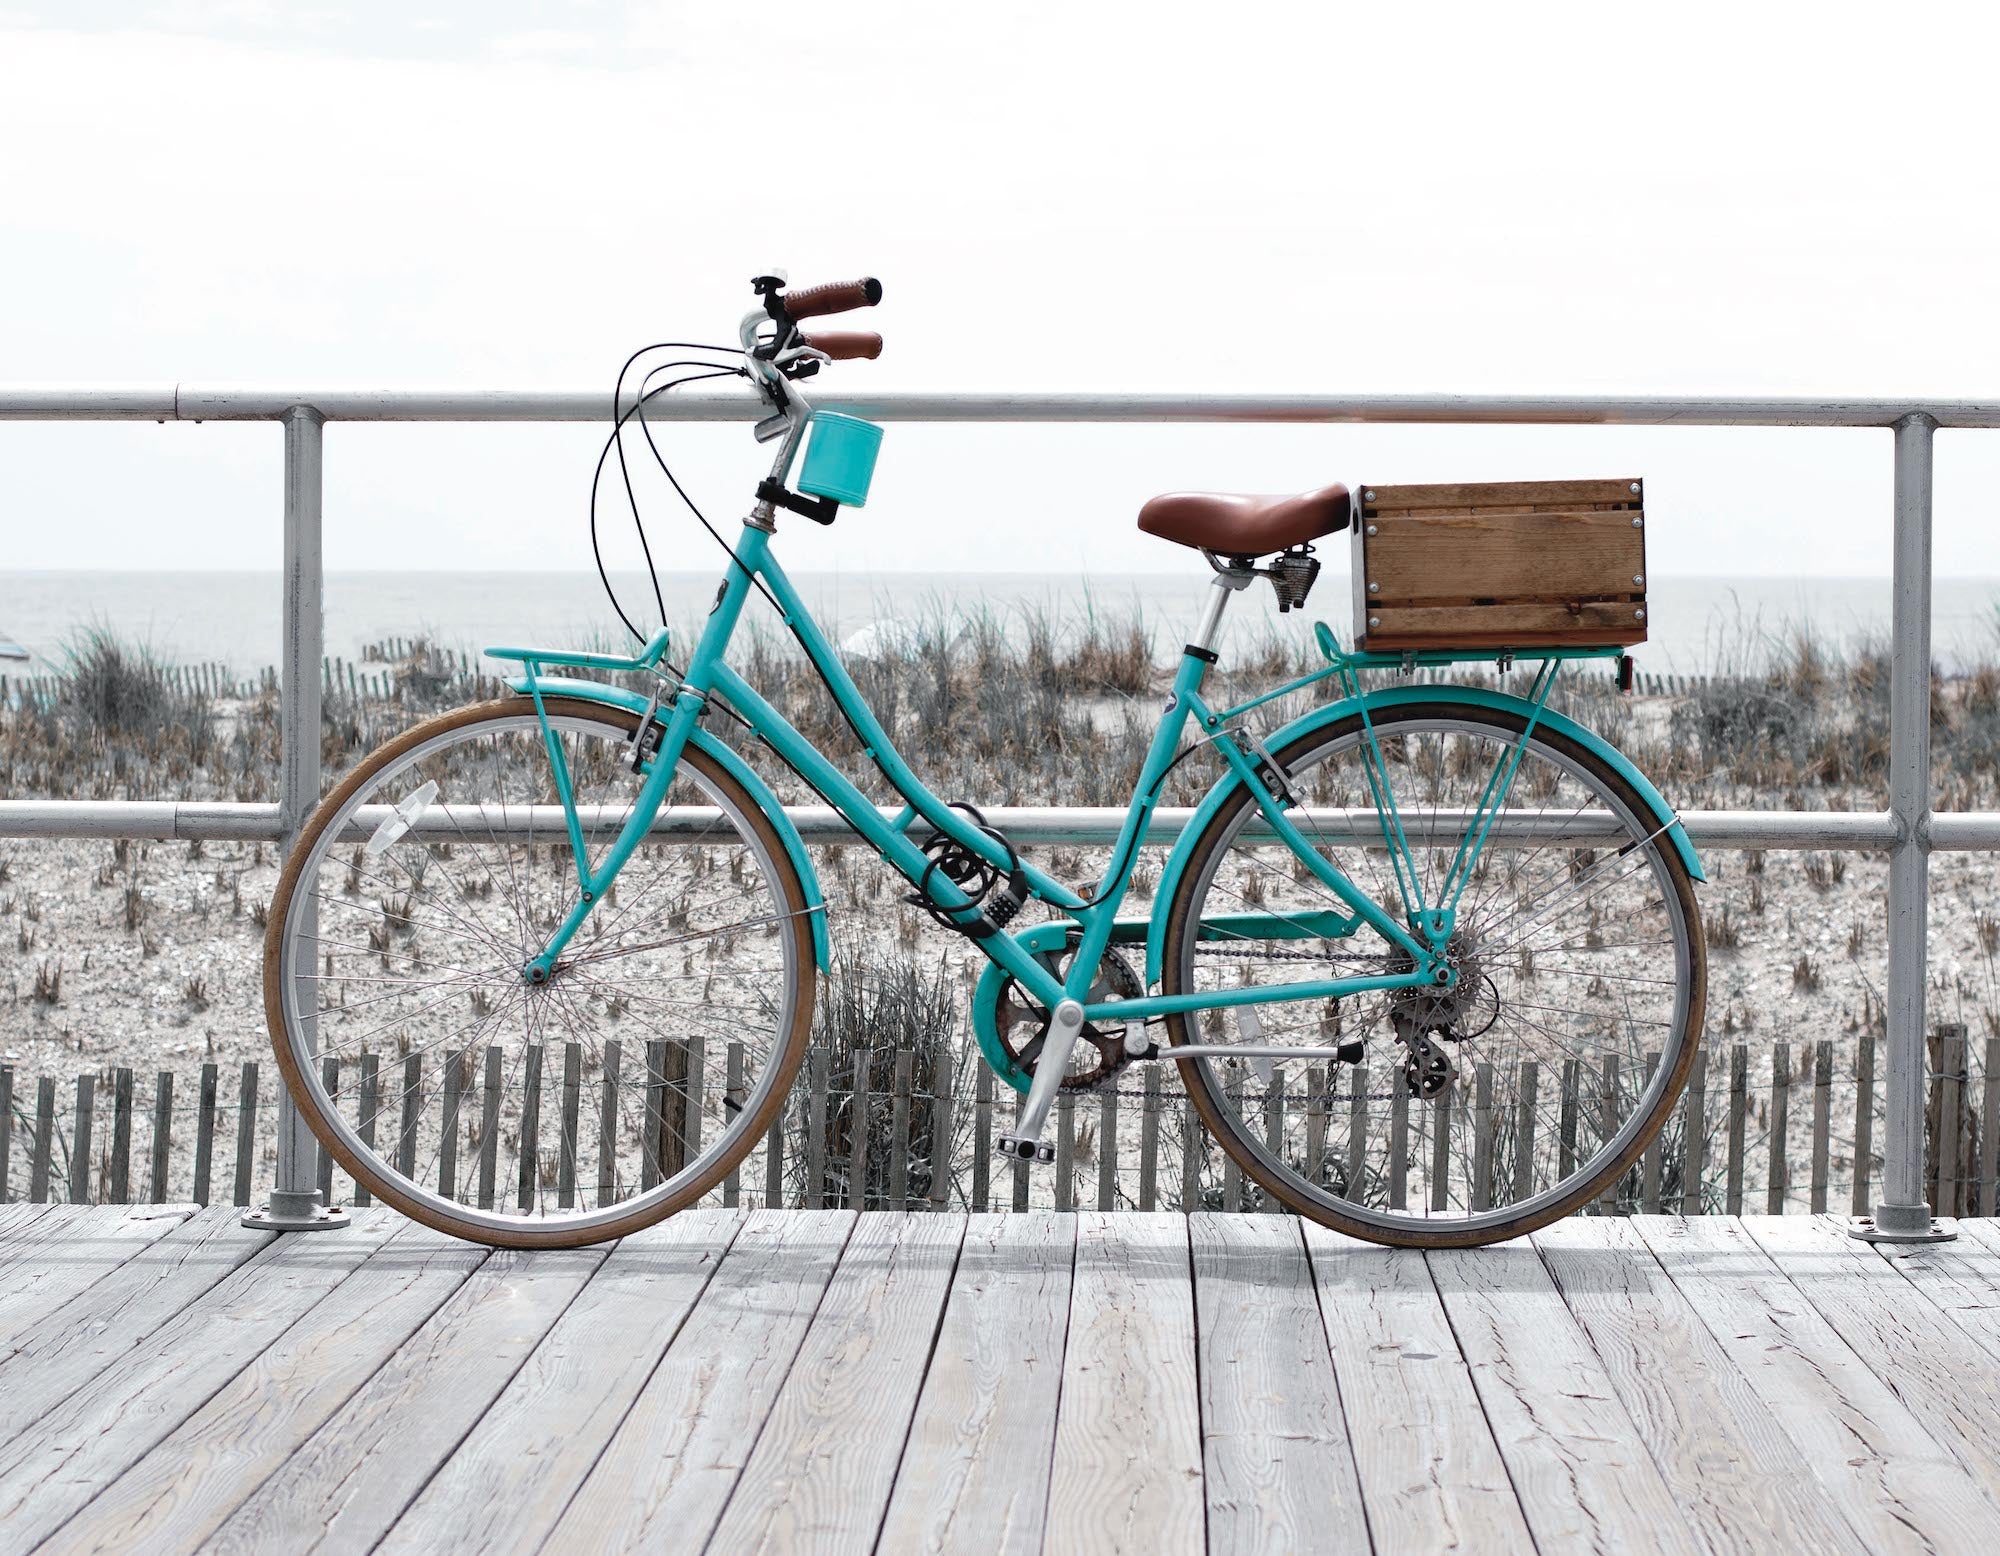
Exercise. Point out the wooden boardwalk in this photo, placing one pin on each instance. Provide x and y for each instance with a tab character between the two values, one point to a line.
818	1381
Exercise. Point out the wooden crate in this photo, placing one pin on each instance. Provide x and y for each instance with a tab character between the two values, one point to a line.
1500	564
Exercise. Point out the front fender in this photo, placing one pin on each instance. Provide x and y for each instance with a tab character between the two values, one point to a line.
758	790
1398	696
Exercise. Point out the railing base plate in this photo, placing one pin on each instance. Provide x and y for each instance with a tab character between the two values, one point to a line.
296	1213
1901	1224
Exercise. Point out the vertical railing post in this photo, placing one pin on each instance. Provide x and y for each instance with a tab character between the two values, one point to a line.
295	1205
1903	1215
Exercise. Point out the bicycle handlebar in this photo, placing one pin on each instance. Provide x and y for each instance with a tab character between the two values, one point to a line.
832	297
844	345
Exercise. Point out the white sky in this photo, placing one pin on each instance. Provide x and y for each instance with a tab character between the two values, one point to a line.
1719	199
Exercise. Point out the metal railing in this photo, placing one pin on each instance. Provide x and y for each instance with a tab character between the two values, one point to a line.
1908	830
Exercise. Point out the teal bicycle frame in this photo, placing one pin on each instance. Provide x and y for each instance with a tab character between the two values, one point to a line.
1423	932
1088	925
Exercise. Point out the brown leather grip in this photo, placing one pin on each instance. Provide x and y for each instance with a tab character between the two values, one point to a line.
844	345
833	297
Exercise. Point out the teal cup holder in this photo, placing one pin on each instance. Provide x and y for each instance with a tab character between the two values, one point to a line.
840	458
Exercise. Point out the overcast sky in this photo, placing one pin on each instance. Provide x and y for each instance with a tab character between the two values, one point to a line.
1735	199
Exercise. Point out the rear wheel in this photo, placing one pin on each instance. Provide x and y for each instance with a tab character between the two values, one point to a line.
1481	1112
571	1111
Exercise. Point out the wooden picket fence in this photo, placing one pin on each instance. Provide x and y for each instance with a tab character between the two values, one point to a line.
1772	1139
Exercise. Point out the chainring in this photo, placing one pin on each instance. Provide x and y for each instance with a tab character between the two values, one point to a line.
1023	1026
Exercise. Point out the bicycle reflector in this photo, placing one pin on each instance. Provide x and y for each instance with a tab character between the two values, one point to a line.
840	458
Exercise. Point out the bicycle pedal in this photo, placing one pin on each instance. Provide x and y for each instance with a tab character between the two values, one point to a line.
1017	1149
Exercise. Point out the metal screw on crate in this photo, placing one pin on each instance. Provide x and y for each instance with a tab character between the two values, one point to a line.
1639	578
1371	529
1374	588
1374	621
1638	523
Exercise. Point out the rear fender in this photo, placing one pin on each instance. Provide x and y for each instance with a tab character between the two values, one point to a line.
1393	697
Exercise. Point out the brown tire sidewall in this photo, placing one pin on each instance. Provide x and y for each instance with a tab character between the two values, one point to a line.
529	1234
1215	1116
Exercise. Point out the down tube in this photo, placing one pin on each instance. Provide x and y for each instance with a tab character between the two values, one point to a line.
774	730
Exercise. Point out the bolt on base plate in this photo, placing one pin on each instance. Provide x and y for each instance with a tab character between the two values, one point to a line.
1901	1224
296	1212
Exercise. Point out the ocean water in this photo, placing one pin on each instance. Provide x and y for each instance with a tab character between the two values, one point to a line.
1698	624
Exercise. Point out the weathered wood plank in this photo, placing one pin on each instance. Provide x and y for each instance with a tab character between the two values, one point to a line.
1128	1459
1432	1478
1279	1474
118	1304
189	1484
1578	1463
561	1408
1934	1366
664	1480
51	1257
975	1472
344	1487
820	1476
1961	1277
1734	1472
1876	1464
90	1439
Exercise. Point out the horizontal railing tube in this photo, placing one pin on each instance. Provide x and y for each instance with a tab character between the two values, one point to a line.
1972	831
228	402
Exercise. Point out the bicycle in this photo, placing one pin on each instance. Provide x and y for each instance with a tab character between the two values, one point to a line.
1526	949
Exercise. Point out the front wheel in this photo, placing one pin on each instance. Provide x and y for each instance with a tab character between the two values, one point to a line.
1480	1112
573	1110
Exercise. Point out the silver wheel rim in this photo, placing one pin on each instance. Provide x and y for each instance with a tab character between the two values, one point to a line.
1635	1122
717	1148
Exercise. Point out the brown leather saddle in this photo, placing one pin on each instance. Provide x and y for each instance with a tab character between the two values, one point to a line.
1243	526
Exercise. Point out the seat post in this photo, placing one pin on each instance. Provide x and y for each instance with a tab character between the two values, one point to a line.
1227	581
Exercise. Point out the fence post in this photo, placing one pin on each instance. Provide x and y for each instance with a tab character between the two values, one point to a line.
1903	1214
295	1204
